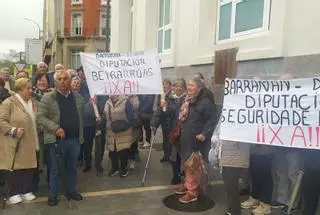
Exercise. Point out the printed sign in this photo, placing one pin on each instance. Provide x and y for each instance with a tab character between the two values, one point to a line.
272	112
122	73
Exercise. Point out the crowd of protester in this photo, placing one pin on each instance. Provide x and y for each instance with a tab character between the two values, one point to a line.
55	122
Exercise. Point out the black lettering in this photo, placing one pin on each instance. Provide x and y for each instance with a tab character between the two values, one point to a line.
230	115
301	103
239	86
250	101
275	118
95	76
304	117
296	118
259	116
294	101
316	83
226	87
284	116
241	120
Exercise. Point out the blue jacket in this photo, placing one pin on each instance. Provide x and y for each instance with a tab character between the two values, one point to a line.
146	103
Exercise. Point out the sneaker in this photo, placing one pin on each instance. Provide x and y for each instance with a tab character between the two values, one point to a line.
181	190
187	198
250	203
124	173
74	196
113	172
276	204
132	164
14	200
262	209
140	143
227	213
146	145
28	197
285	210
53	201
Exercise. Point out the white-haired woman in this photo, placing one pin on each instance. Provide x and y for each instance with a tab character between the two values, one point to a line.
18	125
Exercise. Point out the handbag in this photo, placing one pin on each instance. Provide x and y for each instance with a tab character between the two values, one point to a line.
175	133
118	126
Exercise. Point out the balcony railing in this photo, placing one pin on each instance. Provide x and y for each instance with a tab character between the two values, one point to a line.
82	32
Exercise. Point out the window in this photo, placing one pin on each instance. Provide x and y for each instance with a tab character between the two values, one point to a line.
104	2
75	61
242	17
76	1
103	24
77	24
164	30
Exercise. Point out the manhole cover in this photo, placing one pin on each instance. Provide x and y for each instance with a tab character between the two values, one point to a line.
202	204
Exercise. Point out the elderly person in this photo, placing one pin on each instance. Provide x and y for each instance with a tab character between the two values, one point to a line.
61	115
18	126
173	107
41	86
119	115
197	118
134	151
9	83
4	93
42	68
75	84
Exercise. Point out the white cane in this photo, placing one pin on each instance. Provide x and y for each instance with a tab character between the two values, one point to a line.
295	191
148	160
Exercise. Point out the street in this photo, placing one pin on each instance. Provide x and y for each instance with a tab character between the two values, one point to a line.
122	196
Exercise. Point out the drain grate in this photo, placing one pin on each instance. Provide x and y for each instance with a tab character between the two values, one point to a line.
202	204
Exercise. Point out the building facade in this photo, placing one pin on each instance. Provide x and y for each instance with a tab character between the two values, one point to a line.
272	37
71	27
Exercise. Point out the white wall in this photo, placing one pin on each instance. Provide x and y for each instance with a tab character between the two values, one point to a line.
292	31
302	28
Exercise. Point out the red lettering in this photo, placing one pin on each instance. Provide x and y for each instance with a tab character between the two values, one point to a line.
116	87
258	134
127	86
310	135
263	135
275	135
301	135
317	132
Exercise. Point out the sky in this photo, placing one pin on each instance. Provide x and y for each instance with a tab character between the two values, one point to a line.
13	28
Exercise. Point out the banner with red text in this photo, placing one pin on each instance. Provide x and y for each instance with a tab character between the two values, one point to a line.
272	112
122	73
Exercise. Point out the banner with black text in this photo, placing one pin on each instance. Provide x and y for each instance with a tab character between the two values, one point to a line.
122	73
272	112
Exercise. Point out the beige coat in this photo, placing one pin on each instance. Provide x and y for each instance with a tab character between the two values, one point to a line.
234	154
13	114
121	140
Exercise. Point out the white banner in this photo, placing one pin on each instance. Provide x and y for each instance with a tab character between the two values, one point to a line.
122	73
272	112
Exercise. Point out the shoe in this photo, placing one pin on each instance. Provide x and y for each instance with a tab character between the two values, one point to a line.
28	197
124	173
187	198
53	201
14	200
113	172
286	212
276	204
146	145
181	190
262	209
132	164
74	196
250	203
227	213
87	169
140	143
245	191
176	180
164	159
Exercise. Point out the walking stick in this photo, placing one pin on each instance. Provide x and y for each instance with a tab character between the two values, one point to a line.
6	187
148	160
295	191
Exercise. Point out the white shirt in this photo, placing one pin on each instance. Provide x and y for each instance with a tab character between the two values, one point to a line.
28	106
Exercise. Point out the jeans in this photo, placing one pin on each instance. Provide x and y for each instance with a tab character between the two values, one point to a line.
231	177
261	175
89	134
147	127
63	153
311	191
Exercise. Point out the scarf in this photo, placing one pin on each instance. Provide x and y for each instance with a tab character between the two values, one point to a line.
184	110
37	94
